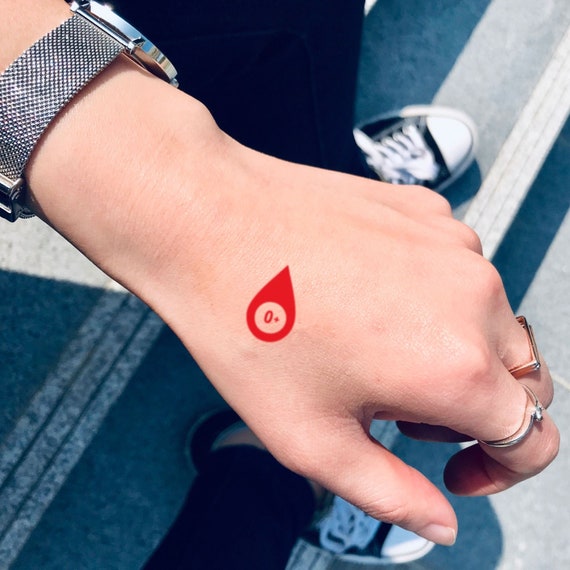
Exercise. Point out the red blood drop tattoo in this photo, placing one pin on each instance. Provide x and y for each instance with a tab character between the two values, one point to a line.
271	313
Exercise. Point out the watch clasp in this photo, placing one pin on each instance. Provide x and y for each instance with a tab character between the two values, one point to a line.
10	194
139	48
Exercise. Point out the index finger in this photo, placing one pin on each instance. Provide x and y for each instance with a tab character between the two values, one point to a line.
484	469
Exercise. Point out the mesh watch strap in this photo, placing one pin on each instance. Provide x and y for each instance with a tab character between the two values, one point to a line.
35	88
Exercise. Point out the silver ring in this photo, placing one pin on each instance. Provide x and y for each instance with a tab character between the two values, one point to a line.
536	415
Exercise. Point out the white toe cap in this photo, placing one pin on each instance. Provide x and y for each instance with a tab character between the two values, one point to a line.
454	139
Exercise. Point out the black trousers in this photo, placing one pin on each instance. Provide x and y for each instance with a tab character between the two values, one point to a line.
244	512
277	75
280	77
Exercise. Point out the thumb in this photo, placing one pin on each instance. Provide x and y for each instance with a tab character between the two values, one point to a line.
366	474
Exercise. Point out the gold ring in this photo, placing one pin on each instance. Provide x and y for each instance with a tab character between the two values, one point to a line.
534	363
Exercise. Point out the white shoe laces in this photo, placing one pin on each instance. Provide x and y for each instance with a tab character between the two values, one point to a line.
400	158
346	526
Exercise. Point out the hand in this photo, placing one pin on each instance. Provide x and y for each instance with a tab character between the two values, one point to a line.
398	314
398	317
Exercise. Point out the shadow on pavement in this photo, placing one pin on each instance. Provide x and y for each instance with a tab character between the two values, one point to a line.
37	319
125	492
421	40
525	245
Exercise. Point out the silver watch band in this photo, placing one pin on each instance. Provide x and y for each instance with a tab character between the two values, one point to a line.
35	88
49	74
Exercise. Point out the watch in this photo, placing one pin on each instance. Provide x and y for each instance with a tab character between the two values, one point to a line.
37	85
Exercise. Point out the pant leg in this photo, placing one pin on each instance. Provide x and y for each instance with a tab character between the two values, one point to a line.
244	512
278	75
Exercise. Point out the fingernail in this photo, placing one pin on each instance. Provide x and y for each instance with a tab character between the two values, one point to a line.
439	534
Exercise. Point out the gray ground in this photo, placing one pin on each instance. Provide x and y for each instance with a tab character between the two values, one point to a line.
98	396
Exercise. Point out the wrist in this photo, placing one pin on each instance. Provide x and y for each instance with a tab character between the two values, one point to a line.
116	169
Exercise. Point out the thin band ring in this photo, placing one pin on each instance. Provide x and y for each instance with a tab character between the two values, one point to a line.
535	416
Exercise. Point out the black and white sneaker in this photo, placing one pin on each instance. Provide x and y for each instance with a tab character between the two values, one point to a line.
427	145
353	536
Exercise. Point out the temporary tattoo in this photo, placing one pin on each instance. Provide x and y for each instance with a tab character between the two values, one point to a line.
271	313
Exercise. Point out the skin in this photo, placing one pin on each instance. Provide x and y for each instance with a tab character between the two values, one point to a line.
398	314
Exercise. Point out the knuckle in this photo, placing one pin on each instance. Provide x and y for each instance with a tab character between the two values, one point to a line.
487	282
470	238
492	281
434	202
472	363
